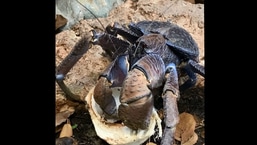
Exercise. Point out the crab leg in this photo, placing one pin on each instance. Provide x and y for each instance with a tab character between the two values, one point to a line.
131	34
197	67
191	68
69	61
190	81
170	96
113	46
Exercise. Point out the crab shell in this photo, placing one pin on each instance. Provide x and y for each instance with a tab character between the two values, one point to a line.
115	133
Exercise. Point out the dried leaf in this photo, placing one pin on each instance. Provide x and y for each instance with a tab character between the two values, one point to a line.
161	113
63	115
150	143
66	130
192	140
203	134
185	129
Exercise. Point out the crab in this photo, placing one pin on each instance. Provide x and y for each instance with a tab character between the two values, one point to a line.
148	60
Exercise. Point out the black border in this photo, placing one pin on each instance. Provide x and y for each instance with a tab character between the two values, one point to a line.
28	62
218	61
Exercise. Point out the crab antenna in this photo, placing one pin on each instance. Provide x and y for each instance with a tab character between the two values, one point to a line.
97	20
92	14
162	12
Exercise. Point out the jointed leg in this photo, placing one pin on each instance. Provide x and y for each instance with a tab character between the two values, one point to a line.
191	80
69	61
130	35
196	67
113	46
170	96
191	68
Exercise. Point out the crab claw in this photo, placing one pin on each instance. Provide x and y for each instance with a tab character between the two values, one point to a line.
137	117
116	133
136	101
136	94
103	95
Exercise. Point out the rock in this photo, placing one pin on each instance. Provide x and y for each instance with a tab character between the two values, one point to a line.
73	11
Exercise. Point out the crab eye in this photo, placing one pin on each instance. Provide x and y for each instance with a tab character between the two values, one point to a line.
142	44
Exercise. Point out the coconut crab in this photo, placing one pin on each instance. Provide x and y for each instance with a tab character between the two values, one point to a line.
146	64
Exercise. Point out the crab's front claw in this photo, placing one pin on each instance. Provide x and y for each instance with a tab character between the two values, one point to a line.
116	133
103	96
136	94
137	117
136	99
107	85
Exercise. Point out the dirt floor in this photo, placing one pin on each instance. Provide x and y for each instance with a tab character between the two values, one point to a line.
83	76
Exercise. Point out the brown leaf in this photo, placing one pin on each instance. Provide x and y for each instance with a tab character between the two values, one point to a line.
66	130
63	115
150	143
185	129
203	134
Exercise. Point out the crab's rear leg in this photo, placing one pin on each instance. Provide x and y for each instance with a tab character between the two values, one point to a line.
190	54
69	61
170	96
196	67
191	67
